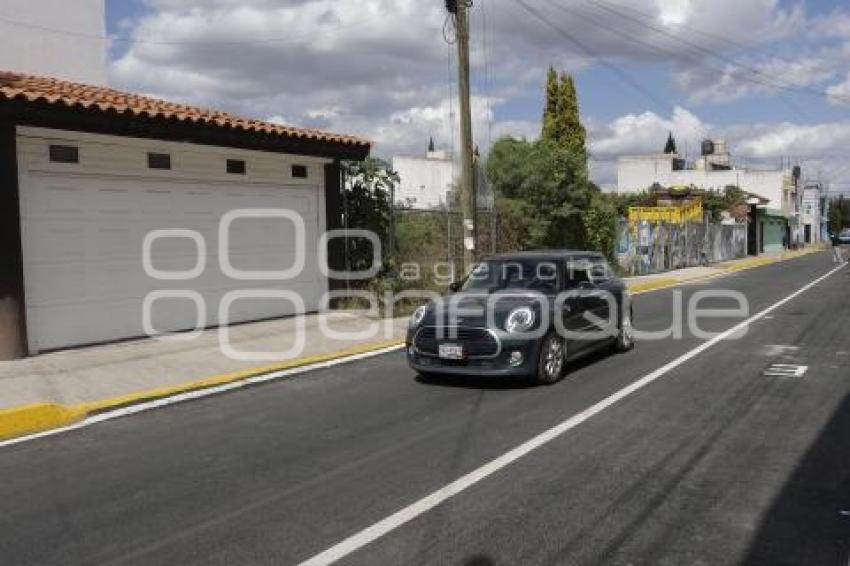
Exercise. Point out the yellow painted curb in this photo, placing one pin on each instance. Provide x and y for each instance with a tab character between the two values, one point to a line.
30	419
19	421
740	265
645	286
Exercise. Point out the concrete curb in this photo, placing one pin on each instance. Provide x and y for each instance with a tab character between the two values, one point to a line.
725	268
31	419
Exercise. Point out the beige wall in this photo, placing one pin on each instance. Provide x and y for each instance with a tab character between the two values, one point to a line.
34	44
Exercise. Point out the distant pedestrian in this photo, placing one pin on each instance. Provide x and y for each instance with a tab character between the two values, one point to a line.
837	254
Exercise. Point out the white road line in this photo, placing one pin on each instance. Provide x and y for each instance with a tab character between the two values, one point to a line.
188	396
399	518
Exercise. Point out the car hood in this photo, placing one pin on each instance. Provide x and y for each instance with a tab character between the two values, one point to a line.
470	308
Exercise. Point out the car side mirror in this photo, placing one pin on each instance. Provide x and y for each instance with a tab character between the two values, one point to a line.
455	286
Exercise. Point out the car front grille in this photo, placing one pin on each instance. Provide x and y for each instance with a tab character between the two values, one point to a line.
477	342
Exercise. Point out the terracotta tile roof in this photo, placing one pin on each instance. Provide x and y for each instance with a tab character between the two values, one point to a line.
32	88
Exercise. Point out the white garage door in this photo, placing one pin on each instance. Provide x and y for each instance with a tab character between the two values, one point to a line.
84	225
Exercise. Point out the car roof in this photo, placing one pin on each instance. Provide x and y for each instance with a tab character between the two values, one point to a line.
551	255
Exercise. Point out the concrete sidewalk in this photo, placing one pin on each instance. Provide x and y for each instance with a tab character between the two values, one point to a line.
57	388
114	370
644	283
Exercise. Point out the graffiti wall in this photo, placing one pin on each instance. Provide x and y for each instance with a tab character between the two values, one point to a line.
650	247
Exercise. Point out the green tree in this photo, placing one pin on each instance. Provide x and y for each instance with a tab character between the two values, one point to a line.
600	226
573	134
369	189
717	202
670	146
550	106
561	116
542	188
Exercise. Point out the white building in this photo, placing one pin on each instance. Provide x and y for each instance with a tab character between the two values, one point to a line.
714	170
424	182
811	217
59	38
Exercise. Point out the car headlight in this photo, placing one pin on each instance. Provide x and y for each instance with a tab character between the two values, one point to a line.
418	315
520	319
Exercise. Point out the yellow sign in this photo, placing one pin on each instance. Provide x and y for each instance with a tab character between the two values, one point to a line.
672	214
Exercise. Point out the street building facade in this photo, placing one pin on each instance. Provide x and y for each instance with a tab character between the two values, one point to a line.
425	182
113	202
774	197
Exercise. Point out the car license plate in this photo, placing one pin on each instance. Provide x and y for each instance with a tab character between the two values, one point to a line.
451	351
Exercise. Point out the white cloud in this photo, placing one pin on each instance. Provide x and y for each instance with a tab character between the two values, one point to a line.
798	140
834	24
817	147
729	82
839	94
646	133
379	67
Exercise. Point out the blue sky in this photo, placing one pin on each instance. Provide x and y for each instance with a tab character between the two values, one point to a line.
771	76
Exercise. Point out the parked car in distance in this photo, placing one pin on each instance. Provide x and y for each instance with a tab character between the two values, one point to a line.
523	314
844	236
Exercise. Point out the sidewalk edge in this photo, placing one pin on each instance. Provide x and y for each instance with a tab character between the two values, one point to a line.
41	417
667	282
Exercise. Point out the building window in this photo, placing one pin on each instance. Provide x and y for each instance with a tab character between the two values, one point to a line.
236	166
64	154
159	161
299	171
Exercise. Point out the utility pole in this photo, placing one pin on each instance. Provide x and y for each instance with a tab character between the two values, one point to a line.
459	8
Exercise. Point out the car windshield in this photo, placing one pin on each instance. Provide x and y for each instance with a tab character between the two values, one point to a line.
491	276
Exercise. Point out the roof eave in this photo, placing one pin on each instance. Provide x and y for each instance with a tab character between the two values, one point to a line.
58	115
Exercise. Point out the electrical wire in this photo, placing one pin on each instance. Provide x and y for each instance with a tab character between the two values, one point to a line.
775	81
141	41
622	75
668	52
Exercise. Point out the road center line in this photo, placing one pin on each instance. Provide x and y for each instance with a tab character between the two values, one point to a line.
399	518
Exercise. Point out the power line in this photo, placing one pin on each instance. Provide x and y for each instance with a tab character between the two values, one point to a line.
133	39
622	75
778	83
695	30
664	52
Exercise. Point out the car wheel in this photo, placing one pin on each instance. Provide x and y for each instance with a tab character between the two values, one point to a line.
626	335
552	359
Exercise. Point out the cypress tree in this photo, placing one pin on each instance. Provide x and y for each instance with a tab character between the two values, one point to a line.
573	136
550	108
670	146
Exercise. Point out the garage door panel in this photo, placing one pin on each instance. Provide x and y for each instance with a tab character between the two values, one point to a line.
83	241
61	325
53	199
57	282
47	240
111	240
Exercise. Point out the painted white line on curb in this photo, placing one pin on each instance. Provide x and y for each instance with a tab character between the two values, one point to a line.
190	395
399	518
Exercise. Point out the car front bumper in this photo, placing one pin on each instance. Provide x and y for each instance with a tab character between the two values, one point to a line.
498	366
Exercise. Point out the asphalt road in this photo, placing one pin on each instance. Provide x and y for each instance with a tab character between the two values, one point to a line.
713	463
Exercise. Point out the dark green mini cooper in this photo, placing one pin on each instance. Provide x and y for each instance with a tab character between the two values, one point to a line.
526	313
